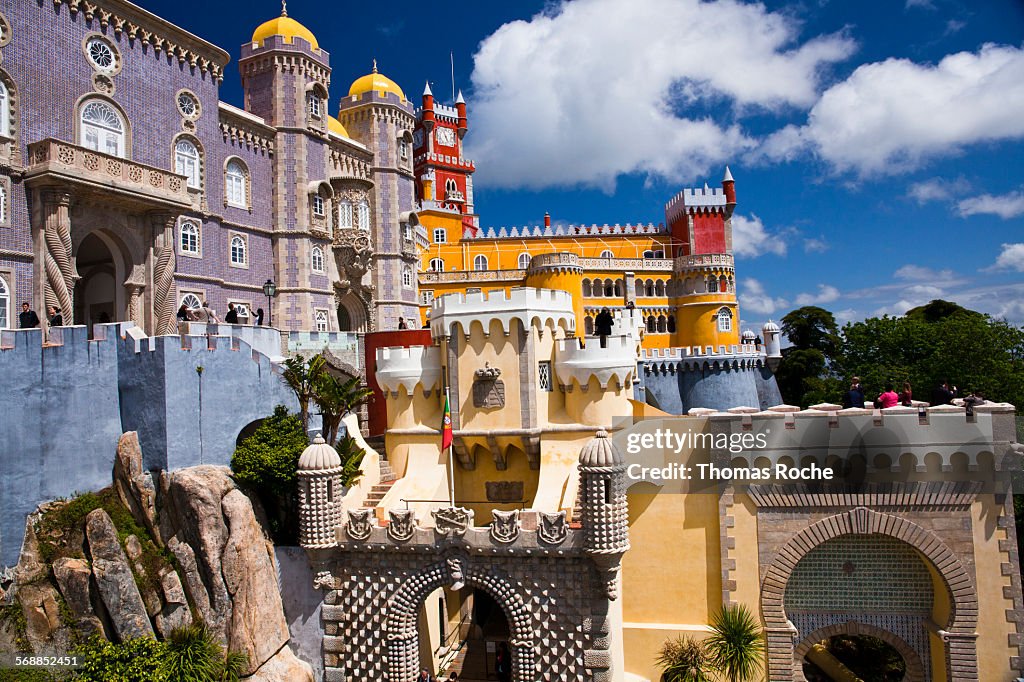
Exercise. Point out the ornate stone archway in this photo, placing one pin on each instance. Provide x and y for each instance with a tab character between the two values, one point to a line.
401	623
960	632
915	667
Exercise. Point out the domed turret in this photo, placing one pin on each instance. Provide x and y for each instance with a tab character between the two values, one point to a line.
285	27
603	507
334	125
319	494
748	336
375	82
772	343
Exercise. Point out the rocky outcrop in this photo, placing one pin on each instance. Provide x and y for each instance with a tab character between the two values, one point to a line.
114	578
258	627
283	667
73	578
175	612
134	485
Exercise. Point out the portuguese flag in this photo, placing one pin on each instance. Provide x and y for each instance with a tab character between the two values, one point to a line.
446	425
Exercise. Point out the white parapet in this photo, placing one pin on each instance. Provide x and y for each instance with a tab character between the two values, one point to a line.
526	304
617	358
408	368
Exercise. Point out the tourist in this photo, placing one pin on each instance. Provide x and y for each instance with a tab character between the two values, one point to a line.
942	395
259	317
401	323
27	319
855	396
887	398
425	677
454	677
503	660
973	399
206	314
232	316
603	326
184	314
906	395
56	319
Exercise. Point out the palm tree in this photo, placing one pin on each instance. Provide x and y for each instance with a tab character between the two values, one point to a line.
351	459
736	644
194	655
684	659
302	377
335	399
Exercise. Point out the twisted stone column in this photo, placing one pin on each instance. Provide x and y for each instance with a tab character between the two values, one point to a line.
134	309
58	263
164	291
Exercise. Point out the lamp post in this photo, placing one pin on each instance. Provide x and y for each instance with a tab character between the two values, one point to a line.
270	290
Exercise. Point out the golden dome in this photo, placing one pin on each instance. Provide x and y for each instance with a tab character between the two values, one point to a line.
375	82
284	26
334	125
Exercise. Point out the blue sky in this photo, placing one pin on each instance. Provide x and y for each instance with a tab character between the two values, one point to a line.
878	147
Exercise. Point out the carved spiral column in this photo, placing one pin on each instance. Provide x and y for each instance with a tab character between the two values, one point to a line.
134	307
57	261
164	291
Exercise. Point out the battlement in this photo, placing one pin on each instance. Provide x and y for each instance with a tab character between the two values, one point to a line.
529	305
407	368
706	199
617	359
702	352
515	232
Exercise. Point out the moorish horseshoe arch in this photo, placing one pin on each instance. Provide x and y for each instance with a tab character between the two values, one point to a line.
915	668
400	624
961	630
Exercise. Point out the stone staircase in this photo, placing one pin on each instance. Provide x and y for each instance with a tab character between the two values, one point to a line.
377	492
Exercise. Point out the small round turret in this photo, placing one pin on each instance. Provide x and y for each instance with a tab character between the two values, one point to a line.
603	507
772	343
319	494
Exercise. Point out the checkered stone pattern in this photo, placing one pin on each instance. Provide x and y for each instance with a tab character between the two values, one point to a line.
319	507
370	618
605	523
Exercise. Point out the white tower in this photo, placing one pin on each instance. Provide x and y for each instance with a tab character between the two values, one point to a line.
319	495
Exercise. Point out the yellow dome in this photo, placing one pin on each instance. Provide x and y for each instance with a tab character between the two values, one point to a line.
284	26
334	125
375	82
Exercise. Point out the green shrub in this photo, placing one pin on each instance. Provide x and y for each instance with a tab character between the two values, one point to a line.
133	660
267	462
12	616
193	655
684	660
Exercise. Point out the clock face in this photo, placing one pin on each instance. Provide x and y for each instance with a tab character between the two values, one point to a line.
445	136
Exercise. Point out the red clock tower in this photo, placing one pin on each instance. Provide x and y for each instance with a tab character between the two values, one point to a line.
444	177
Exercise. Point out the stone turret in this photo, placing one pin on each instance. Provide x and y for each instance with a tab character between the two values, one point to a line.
772	343
603	507
319	495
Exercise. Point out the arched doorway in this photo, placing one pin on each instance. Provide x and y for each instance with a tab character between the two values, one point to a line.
867	656
98	296
463	631
351	314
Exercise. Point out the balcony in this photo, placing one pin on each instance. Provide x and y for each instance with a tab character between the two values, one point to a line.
627	264
431	277
52	160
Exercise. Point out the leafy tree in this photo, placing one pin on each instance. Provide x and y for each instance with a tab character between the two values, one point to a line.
736	644
937	309
684	659
268	463
811	327
302	377
807	373
336	398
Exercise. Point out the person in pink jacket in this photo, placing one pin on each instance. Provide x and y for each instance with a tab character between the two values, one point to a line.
888	397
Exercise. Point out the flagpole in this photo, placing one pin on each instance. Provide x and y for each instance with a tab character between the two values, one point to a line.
451	459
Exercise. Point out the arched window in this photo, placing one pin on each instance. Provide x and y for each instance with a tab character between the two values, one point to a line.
191	301
234	184
724	320
407	277
639	287
648	254
588	326
318	259
238	250
659	254
186	162
318	205
649	288
364	216
480	263
606	254
313	100
440	235
451	189
524	261
586	288
189	237
345	215
436	265
662	324
671	324
102	128
5	111
618	287
609	288
320	317
723	284
659	288
652	324
6	316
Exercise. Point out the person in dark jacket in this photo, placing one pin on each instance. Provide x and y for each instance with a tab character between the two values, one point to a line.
27	318
942	395
603	325
855	396
259	317
232	316
56	319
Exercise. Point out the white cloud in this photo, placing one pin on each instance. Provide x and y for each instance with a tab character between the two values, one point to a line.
937	189
592	89
922	4
1011	258
1005	206
891	116
750	238
815	245
754	298
825	294
918	273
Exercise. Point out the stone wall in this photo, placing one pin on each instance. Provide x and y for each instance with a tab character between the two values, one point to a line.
677	386
302	606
